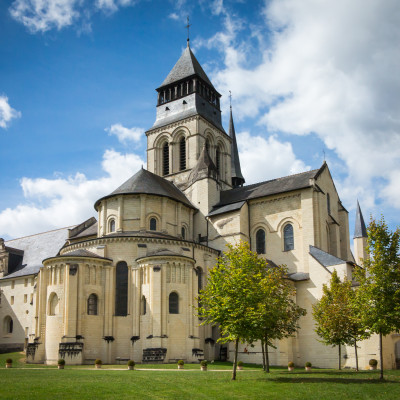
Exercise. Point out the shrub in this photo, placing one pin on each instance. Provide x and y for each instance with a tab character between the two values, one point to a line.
98	362
290	364
240	363
308	364
203	363
131	363
9	361
181	362
373	362
61	361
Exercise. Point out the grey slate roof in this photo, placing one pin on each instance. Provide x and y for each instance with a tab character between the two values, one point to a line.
82	253
360	230
163	253
226	209
267	188
37	248
299	276
235	162
186	66
325	259
91	231
145	182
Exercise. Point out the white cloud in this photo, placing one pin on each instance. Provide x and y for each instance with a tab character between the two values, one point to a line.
330	69
174	16
126	134
7	113
113	5
272	159
54	203
43	15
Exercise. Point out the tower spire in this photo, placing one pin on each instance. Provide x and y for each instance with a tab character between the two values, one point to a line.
360	230
237	177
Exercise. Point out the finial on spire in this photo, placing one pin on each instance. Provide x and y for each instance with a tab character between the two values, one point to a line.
188	26
230	99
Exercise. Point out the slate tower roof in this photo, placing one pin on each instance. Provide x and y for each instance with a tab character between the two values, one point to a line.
237	177
360	230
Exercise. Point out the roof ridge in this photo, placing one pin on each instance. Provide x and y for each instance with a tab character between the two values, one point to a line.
40	233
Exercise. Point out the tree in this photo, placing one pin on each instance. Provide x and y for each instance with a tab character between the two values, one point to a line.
379	279
337	316
248	299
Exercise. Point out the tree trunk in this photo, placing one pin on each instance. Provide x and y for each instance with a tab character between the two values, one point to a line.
235	360
340	357
266	355
355	350
381	354
263	354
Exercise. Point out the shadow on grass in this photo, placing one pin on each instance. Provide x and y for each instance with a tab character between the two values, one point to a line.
345	381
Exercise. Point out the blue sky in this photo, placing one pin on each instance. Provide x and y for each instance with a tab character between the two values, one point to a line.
77	92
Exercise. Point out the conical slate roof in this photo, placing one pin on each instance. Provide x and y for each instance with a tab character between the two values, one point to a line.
235	162
360	229
145	182
186	66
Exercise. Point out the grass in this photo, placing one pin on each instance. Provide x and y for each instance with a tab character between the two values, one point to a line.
116	382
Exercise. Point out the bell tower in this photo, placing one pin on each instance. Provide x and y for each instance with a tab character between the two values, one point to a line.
188	118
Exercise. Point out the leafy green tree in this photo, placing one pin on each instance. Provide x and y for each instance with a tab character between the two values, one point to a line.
248	299
379	279
337	316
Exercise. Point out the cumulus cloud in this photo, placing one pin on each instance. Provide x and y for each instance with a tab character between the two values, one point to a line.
328	69
7	113
271	160
53	203
124	134
44	15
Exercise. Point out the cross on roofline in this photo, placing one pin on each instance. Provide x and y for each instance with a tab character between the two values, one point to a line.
188	26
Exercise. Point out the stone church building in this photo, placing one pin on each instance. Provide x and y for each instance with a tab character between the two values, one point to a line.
123	286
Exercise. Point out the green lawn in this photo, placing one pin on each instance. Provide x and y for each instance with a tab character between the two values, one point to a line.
38	382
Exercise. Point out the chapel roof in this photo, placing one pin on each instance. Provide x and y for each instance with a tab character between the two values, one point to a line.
186	66
237	177
35	249
268	188
360	230
145	182
324	258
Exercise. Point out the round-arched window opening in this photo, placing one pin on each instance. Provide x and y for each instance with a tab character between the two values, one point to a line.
183	232
8	325
92	304
53	304
288	237
260	241
111	226
182	154
174	303
153	224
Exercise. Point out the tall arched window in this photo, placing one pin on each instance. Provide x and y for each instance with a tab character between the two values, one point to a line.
143	306
8	325
174	303
165	158
218	160
111	225
199	279
182	154
208	145
260	241
288	237
153	224
92	304
328	203
53	304
121	289
183	232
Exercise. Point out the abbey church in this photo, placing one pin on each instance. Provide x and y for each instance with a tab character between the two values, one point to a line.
124	286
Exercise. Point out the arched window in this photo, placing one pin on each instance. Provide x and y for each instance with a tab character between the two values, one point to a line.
92	304
53	304
183	232
218	160
328	203
121	289
8	325
165	158
143	306
182	154
288	238
260	241
199	279
208	145
153	224
174	303
111	225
